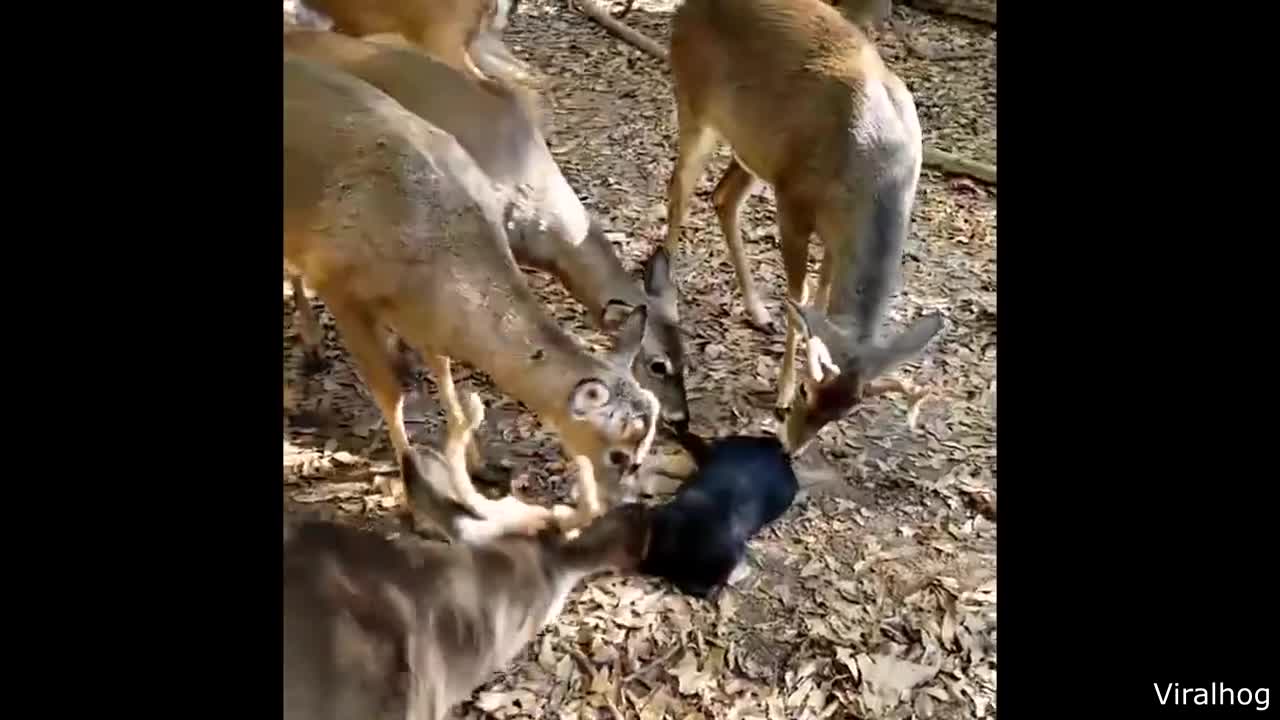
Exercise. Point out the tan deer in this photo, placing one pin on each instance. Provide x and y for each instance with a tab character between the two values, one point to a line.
463	33
373	629
803	99
393	224
497	126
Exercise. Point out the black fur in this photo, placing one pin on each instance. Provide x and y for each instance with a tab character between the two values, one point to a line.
742	484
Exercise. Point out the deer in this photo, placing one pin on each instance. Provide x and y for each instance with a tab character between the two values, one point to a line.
394	226
462	33
843	160
497	126
375	629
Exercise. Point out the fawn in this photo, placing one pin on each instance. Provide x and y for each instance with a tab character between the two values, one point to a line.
843	160
497	127
393	225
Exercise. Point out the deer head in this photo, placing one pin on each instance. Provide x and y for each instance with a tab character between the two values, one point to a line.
610	419
841	371
659	366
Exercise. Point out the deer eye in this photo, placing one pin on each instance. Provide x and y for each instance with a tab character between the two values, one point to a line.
659	367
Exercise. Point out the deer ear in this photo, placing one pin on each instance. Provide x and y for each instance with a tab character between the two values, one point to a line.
811	321
615	313
910	342
657	279
630	337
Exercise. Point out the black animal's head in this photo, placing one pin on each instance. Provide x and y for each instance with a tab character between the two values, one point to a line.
693	554
840	369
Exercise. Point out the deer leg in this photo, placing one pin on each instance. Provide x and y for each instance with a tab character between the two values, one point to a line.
795	225
401	355
826	274
729	194
588	507
308	328
455	415
694	145
360	333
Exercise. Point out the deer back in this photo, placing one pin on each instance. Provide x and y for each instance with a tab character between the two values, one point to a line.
735	63
494	123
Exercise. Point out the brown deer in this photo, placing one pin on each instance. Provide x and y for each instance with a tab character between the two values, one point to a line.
803	99
498	128
373	629
393	225
462	33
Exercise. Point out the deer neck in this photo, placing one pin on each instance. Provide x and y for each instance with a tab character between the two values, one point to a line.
525	352
593	274
561	238
861	289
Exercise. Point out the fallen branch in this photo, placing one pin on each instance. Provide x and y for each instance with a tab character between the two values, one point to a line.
980	12
592	9
956	165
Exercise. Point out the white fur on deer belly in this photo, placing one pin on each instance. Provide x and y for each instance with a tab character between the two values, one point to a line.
501	15
567	211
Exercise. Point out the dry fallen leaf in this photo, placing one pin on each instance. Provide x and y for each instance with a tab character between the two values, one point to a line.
686	671
888	677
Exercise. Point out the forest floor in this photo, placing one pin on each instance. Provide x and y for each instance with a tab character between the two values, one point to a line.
875	595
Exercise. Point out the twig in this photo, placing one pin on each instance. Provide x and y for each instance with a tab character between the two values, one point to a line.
592	9
650	666
588	669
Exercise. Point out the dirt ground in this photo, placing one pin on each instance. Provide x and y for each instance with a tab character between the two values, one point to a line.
875	595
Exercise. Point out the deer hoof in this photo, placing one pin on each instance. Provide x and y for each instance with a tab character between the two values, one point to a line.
780	412
759	319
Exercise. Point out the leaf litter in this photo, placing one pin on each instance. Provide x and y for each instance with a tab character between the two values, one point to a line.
875	595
